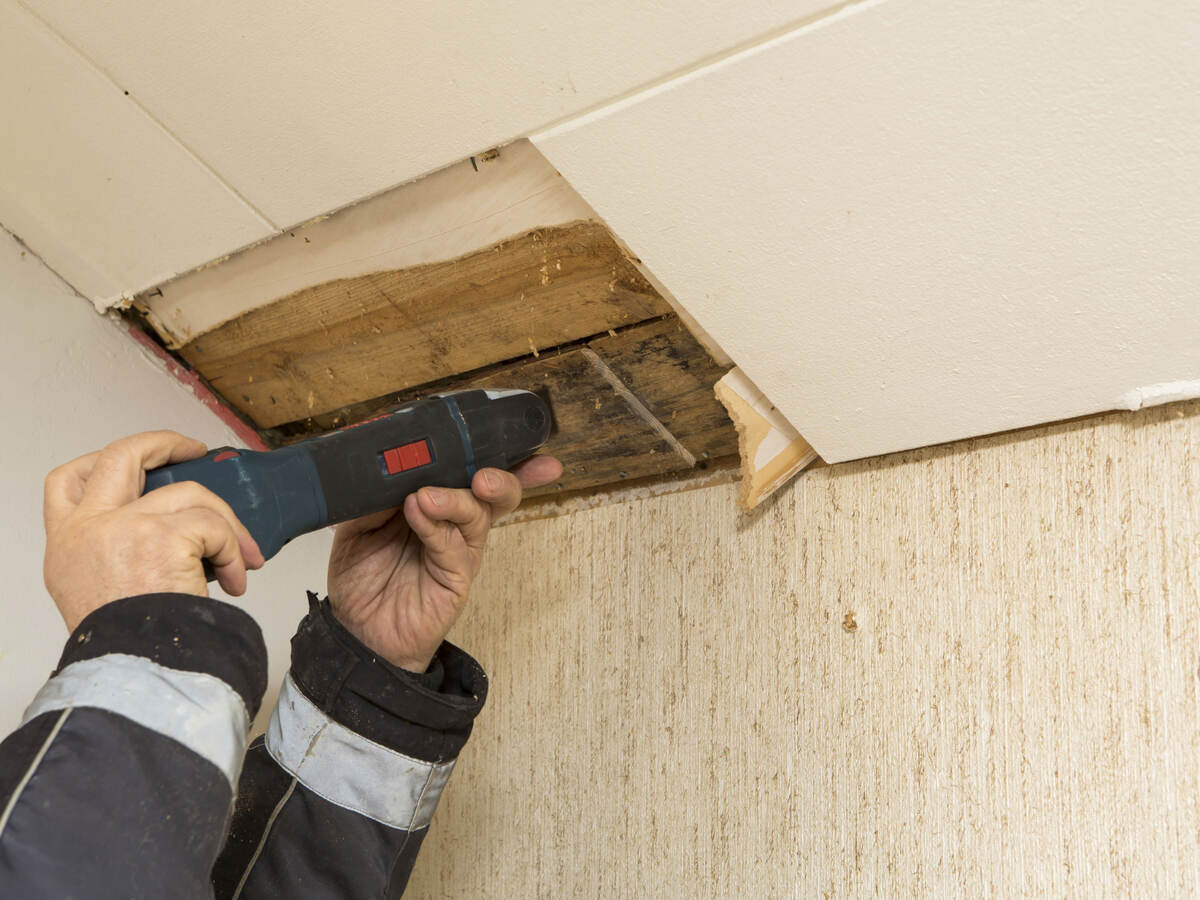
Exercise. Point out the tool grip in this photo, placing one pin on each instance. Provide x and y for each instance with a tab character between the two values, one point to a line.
275	494
367	467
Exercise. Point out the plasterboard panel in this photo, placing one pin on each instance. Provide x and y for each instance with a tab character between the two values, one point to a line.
90	182
307	107
913	222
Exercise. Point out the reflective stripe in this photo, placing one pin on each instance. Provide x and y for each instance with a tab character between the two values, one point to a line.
200	711
348	769
33	766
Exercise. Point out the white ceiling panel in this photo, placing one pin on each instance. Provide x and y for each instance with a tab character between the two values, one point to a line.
95	186
917	221
306	107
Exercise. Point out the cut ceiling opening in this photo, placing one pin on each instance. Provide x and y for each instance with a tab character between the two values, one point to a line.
490	273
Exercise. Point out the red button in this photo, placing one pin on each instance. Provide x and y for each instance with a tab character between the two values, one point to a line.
408	456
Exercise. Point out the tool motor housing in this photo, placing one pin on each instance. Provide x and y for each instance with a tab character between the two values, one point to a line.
369	466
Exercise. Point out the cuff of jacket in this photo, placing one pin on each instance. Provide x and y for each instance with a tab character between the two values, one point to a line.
426	716
178	631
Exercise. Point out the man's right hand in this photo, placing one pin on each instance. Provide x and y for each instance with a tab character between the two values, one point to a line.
105	541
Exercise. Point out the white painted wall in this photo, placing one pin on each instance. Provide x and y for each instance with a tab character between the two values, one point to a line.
72	382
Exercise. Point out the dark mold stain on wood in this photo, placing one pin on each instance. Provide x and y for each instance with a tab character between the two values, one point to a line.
562	310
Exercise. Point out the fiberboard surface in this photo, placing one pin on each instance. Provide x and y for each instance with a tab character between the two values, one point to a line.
304	108
967	671
92	184
912	222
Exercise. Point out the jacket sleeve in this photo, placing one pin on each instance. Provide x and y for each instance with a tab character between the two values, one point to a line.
337	798
120	779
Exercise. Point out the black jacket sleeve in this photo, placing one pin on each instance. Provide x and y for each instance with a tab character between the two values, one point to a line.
337	798
119	782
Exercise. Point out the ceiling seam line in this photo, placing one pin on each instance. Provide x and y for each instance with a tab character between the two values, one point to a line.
701	67
610	104
264	219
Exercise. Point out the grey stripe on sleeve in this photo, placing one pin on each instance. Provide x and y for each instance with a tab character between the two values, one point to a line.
349	770
198	710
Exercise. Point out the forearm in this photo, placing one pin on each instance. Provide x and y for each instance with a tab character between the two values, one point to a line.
338	797
119	781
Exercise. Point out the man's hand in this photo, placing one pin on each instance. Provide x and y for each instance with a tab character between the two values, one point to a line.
105	541
398	579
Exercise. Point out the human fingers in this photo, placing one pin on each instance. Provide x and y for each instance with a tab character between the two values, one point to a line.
459	507
64	488
184	495
538	470
119	473
449	558
499	489
214	539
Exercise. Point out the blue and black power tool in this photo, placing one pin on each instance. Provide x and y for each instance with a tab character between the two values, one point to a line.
370	466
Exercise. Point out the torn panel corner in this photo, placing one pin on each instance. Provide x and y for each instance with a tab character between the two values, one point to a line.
772	450
1155	394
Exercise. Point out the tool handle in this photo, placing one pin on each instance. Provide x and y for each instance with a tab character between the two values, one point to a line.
276	494
367	467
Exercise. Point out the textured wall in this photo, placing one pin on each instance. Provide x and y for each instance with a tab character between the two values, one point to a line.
959	671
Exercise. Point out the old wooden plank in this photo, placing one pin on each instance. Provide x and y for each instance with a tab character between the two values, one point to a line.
448	213
598	436
342	342
668	370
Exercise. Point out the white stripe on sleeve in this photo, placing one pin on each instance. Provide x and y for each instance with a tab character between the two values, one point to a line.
200	711
348	769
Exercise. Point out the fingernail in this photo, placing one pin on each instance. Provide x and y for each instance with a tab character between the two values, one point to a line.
435	496
492	479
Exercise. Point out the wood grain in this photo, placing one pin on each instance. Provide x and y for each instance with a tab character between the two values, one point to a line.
445	215
673	376
662	420
351	339
771	450
598	437
963	671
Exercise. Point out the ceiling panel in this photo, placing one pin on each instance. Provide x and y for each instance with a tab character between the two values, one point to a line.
91	183
304	108
913	222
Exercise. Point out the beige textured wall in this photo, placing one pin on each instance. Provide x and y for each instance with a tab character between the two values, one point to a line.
961	671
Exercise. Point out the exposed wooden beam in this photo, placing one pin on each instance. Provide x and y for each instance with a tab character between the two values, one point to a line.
348	340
